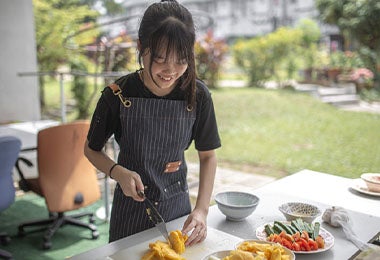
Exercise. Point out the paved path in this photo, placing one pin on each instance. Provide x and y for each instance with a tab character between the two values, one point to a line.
227	179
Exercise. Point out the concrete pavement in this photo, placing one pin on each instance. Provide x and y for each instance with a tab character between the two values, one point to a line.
227	180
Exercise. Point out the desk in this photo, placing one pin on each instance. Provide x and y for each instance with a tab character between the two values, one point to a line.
27	133
327	190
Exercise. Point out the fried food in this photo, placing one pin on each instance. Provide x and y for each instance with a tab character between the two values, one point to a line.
160	250
177	241
240	255
268	251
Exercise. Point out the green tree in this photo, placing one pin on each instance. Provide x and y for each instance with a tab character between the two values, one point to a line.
55	20
80	89
311	34
358	19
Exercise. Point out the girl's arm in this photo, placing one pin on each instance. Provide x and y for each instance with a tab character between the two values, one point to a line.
129	181
197	220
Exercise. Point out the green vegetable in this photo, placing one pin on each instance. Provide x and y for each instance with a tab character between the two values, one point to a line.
316	230
285	227
269	230
294	230
294	223
301	224
277	228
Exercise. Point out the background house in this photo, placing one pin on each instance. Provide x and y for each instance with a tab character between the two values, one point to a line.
231	19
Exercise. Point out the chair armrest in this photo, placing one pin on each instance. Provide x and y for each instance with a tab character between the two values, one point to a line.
23	183
28	149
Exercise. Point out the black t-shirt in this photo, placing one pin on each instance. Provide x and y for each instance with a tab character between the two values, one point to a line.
106	121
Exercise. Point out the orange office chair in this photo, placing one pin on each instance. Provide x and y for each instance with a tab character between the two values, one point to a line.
66	179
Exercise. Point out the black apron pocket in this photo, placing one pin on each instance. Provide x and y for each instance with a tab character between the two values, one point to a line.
174	189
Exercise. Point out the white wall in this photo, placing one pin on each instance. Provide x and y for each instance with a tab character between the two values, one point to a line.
19	97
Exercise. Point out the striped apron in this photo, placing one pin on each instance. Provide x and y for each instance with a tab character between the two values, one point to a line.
155	132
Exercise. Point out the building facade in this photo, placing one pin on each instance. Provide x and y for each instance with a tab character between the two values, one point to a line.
230	19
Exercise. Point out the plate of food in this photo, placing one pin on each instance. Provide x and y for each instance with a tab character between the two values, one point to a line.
298	236
260	249
220	255
360	186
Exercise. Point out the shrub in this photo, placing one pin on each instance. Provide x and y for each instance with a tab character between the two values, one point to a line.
210	53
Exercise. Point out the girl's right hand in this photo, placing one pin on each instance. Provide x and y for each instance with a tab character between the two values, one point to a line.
129	181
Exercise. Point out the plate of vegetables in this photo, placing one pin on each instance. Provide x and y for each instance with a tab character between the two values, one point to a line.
297	235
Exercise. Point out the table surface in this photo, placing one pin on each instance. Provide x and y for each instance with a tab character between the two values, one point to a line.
26	131
326	191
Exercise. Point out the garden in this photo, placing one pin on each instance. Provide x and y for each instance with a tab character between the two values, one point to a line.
275	132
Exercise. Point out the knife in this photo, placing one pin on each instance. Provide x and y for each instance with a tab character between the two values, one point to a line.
155	216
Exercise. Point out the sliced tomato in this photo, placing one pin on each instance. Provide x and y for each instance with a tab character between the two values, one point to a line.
305	235
304	245
320	241
296	236
296	247
286	243
313	245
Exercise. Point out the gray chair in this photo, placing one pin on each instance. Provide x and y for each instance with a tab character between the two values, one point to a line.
9	150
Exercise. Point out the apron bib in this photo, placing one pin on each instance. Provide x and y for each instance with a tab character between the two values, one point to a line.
155	134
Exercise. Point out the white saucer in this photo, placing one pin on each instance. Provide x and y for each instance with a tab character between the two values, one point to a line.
360	186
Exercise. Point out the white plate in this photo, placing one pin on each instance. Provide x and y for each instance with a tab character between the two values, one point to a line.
218	254
327	236
360	186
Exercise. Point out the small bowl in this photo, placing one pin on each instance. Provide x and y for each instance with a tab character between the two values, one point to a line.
304	211
372	180
236	205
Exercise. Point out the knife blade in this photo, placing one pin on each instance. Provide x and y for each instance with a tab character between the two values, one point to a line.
155	216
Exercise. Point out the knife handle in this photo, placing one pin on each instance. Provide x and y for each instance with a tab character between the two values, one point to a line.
141	194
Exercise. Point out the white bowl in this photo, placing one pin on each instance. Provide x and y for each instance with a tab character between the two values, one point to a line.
372	181
236	205
304	211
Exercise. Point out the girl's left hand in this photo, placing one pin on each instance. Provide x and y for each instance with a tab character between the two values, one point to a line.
196	222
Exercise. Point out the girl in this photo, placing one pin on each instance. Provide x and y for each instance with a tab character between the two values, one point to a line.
154	114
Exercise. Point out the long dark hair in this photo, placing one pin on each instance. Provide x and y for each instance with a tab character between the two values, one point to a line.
170	23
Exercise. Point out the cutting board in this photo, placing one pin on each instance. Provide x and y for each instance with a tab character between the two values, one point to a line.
216	241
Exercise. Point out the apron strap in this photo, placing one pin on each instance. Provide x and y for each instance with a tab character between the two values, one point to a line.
117	92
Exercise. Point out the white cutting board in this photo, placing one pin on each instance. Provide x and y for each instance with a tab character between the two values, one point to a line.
216	241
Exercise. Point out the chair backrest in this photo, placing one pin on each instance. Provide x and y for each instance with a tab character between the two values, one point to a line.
9	150
67	179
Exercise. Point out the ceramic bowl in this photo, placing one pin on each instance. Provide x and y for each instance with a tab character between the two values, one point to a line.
372	180
294	210
236	205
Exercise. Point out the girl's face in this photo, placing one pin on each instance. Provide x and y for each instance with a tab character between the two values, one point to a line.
165	71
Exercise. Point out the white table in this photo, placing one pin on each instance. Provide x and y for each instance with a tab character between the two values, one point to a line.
326	191
27	133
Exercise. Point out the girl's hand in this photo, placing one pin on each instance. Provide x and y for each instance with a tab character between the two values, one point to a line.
129	181
197	222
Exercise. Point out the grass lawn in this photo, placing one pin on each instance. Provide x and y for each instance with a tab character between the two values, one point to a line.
279	132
